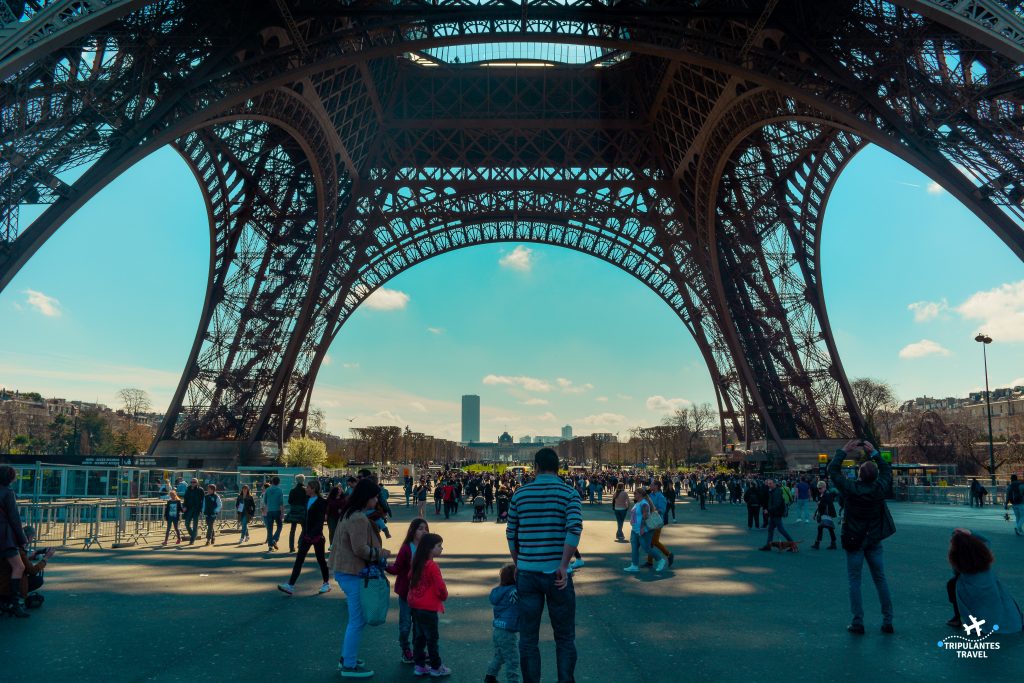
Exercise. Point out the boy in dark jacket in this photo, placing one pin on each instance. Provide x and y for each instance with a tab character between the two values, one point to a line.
866	522
506	628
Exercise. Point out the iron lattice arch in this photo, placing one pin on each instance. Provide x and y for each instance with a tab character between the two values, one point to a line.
691	143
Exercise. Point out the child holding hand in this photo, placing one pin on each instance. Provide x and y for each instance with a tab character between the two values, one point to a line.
506	628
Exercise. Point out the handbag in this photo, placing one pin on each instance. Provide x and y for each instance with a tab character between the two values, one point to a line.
375	596
654	521
827	522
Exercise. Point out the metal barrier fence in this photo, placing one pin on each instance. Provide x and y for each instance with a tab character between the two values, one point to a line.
107	523
948	495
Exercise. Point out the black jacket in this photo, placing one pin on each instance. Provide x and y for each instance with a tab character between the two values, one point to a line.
194	496
776	504
249	508
313	524
865	516
827	504
751	497
167	510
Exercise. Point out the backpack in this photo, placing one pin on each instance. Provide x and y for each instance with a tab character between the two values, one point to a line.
787	495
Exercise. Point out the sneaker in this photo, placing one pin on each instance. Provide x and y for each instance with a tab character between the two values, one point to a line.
420	670
357	671
576	564
815	546
765	548
662	563
954	622
856	628
407	656
326	588
439	671
286	588
887	628
631	568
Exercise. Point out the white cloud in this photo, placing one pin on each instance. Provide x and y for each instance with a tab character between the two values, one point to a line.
527	383
418	407
435	330
1000	311
928	310
350	366
47	305
660	404
624	397
387	300
535	402
603	420
568	387
327	359
547	417
925	347
521	259
1017	382
935	188
602	399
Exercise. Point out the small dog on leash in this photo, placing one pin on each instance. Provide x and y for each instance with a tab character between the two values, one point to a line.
782	546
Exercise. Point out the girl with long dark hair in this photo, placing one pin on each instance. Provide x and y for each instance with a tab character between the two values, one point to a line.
418	528
427	594
312	536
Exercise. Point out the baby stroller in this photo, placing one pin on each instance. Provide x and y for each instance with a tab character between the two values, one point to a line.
502	509
479	509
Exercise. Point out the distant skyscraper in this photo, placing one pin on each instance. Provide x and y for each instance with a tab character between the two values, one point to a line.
470	418
567	432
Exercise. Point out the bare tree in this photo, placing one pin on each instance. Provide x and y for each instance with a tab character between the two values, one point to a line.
875	398
135	401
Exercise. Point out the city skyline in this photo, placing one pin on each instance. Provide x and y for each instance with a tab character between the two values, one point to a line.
546	336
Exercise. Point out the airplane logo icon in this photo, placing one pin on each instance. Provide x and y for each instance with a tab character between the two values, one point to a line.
975	626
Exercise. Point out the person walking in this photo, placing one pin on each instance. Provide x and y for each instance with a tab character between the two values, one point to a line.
620	506
335	506
297	500
357	547
12	539
545	523
311	536
803	500
505	636
660	504
212	505
172	515
245	505
418	528
273	511
193	507
866	523
1015	499
420	494
753	500
427	593
640	537
826	515
776	511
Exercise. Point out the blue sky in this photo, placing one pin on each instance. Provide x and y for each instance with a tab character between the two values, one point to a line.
545	336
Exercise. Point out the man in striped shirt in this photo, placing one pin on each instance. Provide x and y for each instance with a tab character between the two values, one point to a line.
545	522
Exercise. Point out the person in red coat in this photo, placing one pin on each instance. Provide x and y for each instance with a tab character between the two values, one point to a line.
401	568
427	594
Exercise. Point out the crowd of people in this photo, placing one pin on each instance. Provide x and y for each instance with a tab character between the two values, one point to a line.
345	522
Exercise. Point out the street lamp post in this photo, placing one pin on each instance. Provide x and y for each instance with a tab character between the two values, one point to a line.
985	340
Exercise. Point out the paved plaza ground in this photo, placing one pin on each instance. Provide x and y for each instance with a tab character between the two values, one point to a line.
724	612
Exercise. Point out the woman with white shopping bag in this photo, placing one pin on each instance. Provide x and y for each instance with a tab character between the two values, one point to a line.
355	554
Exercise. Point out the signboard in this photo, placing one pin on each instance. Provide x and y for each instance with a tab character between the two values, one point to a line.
887	456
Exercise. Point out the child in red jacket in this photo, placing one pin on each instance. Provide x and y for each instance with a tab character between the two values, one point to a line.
427	594
401	568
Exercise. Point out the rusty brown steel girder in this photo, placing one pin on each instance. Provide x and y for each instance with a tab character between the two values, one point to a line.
694	144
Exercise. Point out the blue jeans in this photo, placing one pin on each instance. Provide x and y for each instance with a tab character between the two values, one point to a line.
642	543
534	588
269	520
243	523
776	523
352	585
801	509
404	623
854	565
620	517
1018	513
192	525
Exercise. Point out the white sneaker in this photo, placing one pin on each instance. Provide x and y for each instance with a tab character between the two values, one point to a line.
326	588
631	568
660	566
576	564
286	588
